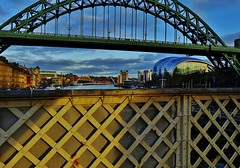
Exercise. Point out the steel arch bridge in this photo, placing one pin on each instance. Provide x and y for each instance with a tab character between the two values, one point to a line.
21	29
101	70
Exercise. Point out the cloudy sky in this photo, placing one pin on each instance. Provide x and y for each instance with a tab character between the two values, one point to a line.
221	16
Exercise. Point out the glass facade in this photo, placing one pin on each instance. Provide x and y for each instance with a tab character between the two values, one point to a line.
181	66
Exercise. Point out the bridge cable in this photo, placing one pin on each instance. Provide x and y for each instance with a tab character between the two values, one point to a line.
132	23
143	24
92	20
95	22
146	28
115	18
135	24
56	25
41	29
82	22
120	33
108	22
56	22
155	27
69	23
165	31
104	11
165	23
44	27
175	33
125	22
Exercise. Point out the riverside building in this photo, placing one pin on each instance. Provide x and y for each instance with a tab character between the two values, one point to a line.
15	76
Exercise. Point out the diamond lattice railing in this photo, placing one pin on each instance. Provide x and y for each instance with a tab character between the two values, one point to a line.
138	130
215	131
90	132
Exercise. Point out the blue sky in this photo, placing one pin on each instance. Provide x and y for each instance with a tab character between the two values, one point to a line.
221	16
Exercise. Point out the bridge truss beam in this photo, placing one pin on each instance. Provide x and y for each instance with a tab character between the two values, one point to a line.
74	41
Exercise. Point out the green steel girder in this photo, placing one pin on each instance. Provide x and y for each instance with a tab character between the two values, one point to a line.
74	41
233	59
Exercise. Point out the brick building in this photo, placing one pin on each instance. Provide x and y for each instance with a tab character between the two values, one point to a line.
5	73
15	76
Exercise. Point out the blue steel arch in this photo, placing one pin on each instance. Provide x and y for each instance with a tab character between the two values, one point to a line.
171	11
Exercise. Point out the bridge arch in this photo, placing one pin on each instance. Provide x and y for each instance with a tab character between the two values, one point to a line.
100	69
172	12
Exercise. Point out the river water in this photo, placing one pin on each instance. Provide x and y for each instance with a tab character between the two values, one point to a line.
90	87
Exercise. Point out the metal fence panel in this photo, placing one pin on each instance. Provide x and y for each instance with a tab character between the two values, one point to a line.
123	131
142	128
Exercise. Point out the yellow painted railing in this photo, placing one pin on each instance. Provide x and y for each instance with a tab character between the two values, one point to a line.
120	128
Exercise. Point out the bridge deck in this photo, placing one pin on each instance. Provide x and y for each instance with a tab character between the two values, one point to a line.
76	41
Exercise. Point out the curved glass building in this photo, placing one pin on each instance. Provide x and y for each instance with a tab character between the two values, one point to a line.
181	66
